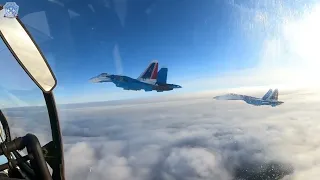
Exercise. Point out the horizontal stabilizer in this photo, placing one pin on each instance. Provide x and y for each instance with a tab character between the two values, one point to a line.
162	76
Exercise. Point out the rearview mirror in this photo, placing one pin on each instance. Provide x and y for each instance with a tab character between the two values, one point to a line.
26	52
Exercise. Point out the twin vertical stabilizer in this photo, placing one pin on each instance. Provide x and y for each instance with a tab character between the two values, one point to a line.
267	94
162	76
151	73
274	95
271	95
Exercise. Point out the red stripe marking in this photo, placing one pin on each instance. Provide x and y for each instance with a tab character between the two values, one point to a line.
154	74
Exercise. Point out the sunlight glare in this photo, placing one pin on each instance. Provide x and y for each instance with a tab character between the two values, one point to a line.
303	40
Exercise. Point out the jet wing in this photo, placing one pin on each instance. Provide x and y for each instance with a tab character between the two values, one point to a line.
132	84
232	96
103	77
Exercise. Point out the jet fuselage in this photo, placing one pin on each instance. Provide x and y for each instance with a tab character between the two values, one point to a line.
124	82
270	98
260	102
149	80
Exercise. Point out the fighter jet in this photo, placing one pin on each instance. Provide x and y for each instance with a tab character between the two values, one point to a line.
270	98
149	80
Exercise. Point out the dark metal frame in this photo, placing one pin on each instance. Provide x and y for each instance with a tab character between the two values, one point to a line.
58	172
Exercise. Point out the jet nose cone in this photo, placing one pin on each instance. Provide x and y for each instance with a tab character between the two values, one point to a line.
217	97
94	80
100	78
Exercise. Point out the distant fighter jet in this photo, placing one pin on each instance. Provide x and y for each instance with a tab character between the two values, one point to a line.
149	80
270	98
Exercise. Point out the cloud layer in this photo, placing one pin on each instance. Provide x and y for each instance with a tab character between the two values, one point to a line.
194	138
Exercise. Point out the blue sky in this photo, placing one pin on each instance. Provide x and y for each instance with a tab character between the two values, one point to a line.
196	40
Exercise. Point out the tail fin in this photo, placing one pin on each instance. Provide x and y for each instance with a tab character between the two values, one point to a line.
151	72
267	94
162	76
274	95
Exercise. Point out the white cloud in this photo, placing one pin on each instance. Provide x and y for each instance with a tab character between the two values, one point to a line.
198	138
117	59
183	163
187	137
78	165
